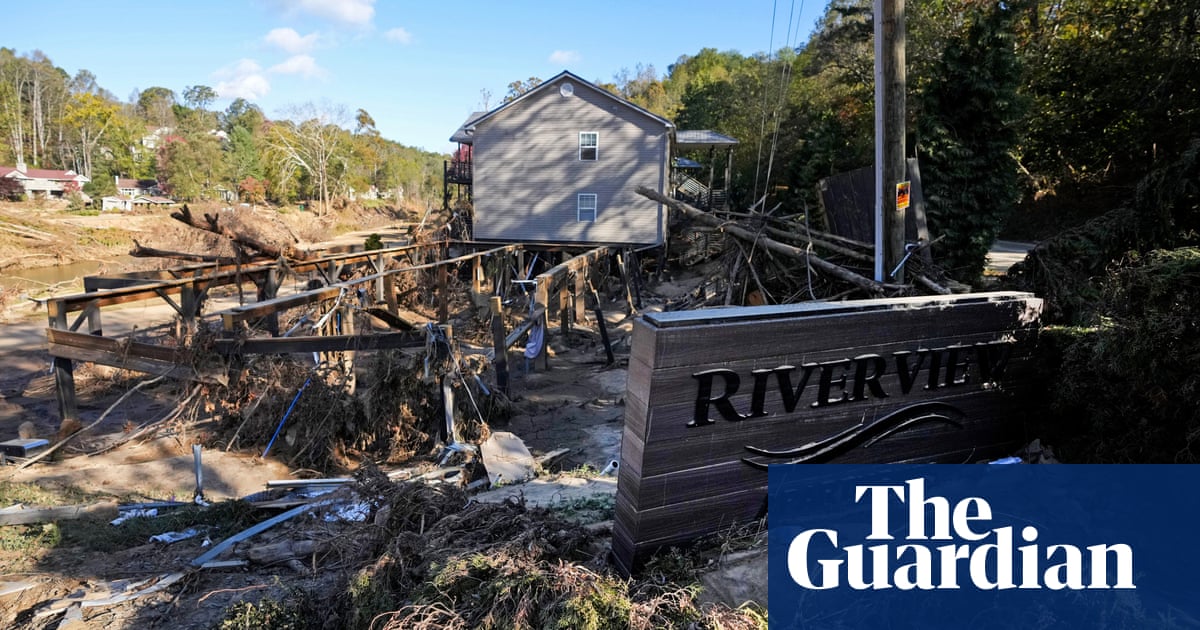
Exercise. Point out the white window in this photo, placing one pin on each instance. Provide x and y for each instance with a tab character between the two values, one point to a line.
589	146
586	207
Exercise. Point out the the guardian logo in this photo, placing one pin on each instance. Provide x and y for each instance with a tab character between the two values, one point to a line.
972	552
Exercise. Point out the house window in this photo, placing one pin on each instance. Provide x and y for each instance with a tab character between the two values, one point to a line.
589	145
586	207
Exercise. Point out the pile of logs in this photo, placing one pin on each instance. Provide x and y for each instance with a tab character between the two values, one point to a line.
780	260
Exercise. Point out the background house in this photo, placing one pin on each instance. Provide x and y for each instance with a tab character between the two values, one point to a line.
560	164
44	182
137	187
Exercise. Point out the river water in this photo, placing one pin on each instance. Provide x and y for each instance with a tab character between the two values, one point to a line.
36	278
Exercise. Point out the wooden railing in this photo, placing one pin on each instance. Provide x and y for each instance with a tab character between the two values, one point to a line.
457	172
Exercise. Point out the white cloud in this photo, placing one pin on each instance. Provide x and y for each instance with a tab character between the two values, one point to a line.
564	57
290	41
353	12
399	35
302	65
243	79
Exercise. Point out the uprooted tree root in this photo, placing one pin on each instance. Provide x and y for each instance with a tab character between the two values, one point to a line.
437	560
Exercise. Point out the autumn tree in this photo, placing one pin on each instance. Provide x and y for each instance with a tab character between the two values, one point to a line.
312	141
88	118
190	166
517	88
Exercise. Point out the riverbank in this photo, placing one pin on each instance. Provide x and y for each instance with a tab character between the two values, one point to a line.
45	249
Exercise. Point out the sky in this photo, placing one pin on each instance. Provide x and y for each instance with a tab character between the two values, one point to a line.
418	68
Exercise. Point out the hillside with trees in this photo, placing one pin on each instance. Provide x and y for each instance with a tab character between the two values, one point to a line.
1028	117
1075	123
314	152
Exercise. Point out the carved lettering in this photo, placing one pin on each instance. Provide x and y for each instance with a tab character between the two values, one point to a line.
908	376
862	380
704	397
828	382
791	396
850	380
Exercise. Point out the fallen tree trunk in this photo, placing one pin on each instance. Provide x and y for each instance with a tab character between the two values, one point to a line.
815	262
212	224
141	251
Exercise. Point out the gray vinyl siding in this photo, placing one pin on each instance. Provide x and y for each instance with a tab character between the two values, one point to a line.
528	173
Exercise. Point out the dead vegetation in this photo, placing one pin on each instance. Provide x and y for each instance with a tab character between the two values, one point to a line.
428	557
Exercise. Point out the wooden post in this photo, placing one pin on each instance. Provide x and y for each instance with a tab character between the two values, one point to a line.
578	292
443	297
389	293
379	282
629	309
601	324
477	274
541	300
635	277
93	319
188	304
890	85
64	369
498	335
564	307
348	357
268	288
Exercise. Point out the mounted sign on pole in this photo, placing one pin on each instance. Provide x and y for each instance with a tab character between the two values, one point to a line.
903	192
715	396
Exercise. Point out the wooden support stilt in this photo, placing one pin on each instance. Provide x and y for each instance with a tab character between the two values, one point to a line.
500	361
443	295
629	307
189	304
541	304
564	308
268	287
389	294
348	357
578	292
601	324
64	369
635	275
95	325
380	281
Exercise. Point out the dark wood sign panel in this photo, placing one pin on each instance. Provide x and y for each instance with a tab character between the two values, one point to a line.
715	396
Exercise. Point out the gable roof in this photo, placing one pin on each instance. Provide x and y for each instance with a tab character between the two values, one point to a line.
462	136
469	126
124	182
54	175
12	172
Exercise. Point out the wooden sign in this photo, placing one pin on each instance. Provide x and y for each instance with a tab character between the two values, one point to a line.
715	396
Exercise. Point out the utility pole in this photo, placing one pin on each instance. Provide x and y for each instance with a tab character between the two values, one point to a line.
890	84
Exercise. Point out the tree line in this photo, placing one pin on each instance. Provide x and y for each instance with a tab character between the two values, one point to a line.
317	152
1038	113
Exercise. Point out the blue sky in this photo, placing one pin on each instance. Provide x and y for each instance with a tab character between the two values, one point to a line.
417	67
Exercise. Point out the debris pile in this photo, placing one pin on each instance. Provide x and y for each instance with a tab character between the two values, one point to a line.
782	260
